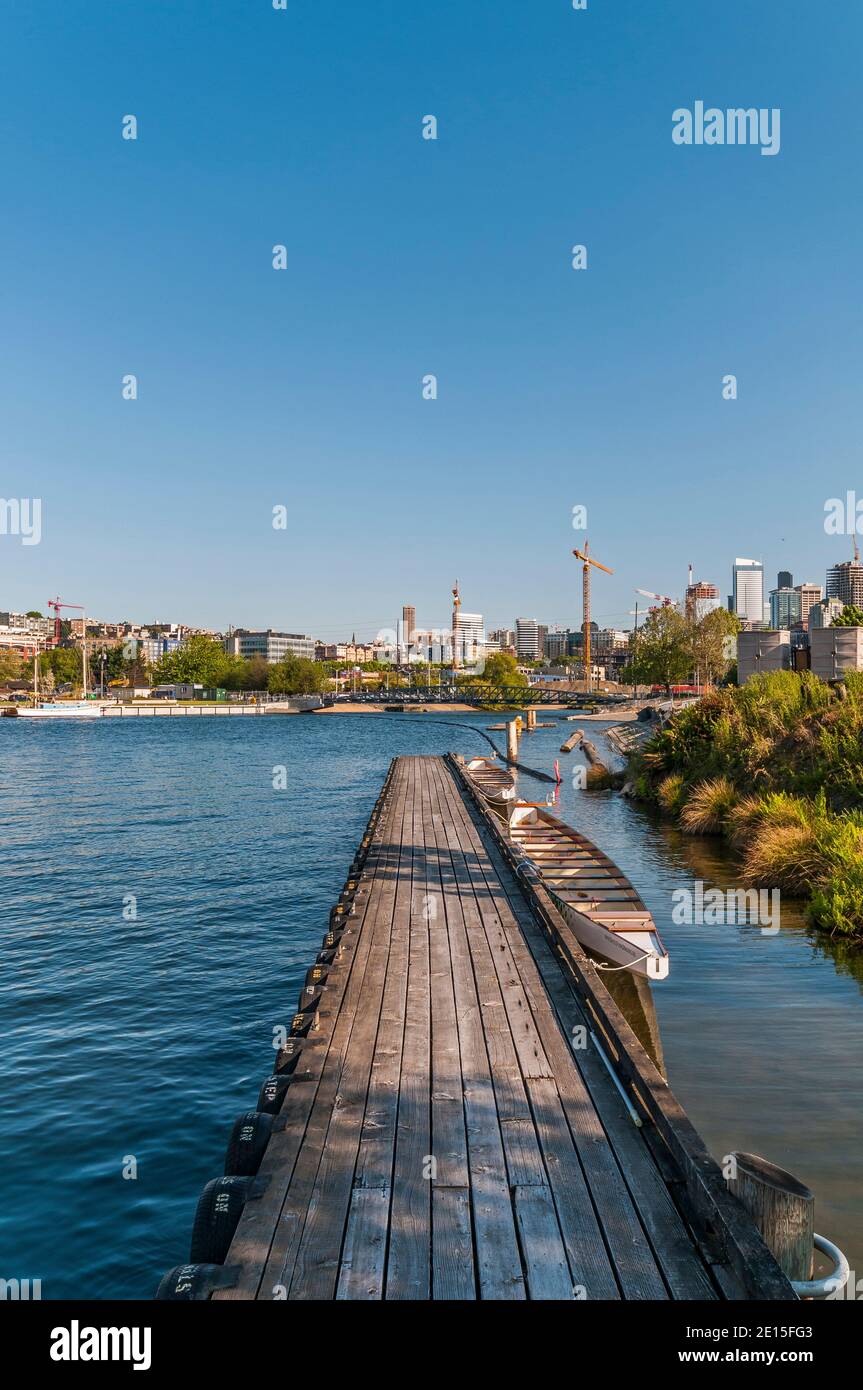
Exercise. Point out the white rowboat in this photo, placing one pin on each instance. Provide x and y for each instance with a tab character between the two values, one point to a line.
591	892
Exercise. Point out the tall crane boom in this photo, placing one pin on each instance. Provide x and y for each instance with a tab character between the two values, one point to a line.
57	604
664	599
588	560
456	605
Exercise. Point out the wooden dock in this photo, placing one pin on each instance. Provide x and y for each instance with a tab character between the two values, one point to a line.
451	1128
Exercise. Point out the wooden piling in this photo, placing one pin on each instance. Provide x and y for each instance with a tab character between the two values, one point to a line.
782	1208
512	740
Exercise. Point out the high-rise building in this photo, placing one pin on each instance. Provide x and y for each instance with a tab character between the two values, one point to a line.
809	595
503	637
784	607
471	635
785	580
822	614
701	598
527	645
845	582
409	619
748	591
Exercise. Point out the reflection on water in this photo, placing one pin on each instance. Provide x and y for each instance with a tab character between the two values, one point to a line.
633	996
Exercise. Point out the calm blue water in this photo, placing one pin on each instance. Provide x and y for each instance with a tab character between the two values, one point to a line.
142	1039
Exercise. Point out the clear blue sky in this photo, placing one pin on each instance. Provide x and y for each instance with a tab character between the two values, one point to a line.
408	257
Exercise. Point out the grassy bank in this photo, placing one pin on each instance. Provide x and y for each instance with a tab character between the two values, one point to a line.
777	768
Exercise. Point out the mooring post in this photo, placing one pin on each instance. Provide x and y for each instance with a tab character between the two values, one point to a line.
782	1208
512	740
531	719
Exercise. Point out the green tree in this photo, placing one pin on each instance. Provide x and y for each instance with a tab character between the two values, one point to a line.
851	616
501	669
64	663
296	675
708	641
12	667
201	659
661	650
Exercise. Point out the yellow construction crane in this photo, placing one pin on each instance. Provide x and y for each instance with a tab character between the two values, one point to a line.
456	605
588	559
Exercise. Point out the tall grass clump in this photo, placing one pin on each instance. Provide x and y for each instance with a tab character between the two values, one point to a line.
707	807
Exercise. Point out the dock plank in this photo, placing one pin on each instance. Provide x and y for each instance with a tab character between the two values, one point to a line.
446	1135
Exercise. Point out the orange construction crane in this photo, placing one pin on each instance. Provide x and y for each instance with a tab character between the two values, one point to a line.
456	605
588	559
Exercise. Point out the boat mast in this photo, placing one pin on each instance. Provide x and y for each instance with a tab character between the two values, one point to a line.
84	650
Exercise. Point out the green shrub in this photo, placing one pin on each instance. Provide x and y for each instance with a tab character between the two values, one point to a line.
837	904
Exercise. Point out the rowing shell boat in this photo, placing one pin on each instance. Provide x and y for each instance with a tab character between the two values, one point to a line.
495	783
592	893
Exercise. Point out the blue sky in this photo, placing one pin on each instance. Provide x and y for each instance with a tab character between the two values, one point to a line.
302	388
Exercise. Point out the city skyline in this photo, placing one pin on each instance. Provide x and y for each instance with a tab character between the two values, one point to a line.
302	389
395	631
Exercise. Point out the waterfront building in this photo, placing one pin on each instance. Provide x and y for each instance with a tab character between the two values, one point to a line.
748	591
20	634
272	646
784	607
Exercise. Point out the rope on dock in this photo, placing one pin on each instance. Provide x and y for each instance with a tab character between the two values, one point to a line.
531	771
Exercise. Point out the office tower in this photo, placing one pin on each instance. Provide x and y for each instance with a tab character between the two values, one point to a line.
784	607
527	639
409	621
748	591
809	595
785	580
471	637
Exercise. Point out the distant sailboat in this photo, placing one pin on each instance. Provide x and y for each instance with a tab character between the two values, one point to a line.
57	709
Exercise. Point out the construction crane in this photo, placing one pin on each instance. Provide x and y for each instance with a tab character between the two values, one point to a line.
664	599
456	605
588	559
57	604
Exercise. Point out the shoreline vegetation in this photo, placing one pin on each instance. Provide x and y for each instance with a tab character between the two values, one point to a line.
775	767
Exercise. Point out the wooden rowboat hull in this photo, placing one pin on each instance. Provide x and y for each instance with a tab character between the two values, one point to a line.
591	892
643	952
